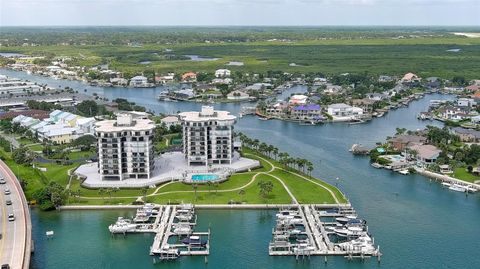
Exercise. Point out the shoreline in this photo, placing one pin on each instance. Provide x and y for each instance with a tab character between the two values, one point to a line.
200	206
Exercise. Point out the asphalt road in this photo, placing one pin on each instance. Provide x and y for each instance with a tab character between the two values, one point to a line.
14	240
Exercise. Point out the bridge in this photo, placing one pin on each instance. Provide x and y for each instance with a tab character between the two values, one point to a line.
16	242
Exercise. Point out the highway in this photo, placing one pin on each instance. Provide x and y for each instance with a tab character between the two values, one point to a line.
15	245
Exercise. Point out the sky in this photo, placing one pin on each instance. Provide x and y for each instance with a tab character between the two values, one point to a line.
238	12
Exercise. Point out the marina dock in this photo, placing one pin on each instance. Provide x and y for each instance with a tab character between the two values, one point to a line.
173	226
306	230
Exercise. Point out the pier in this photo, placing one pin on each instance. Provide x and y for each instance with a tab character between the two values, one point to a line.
306	230
173	226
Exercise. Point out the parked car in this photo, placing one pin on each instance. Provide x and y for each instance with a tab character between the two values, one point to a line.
8	202
5	266
11	217
7	191
2	181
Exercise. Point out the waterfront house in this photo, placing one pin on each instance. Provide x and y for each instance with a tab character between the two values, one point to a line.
238	96
410	78
425	154
138	82
277	110
119	81
467	135
377	96
170	121
227	81
306	112
319	81
170	77
184	94
189	77
453	113
259	87
332	89
472	88
401	142
344	112
222	73
298	99
433	82
466	102
365	104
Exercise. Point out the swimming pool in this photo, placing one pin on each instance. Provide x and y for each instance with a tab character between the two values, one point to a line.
208	177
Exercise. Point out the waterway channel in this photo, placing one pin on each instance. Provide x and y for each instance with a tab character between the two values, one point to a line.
416	222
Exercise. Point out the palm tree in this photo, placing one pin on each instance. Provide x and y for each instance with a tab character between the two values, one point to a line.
310	169
194	186
209	184
242	194
275	152
144	193
216	185
102	192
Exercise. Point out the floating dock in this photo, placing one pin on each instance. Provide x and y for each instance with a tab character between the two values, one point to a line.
173	226
306	230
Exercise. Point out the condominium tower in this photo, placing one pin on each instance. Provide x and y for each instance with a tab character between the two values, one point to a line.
125	148
208	136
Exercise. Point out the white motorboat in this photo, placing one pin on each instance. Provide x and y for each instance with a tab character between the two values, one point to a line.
362	244
303	248
404	172
169	253
446	184
377	165
182	229
184	217
456	187
348	232
286	214
122	226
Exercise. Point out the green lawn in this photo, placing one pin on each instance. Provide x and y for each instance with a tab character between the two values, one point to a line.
25	141
252	196
81	154
307	192
462	174
36	179
36	147
222	193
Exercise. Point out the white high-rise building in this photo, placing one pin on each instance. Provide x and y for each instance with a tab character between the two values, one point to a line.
208	136
125	148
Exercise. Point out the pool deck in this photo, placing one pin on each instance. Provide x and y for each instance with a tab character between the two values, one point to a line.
169	167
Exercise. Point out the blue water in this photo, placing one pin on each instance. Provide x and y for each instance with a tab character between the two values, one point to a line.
416	222
204	177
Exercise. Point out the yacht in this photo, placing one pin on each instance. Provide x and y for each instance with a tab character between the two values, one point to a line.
169	253
194	241
184	217
456	187
122	226
363	243
182	229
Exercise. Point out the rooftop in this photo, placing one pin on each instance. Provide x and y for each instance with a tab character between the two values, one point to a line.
207	113
124	123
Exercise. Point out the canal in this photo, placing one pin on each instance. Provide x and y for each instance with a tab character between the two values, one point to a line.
416	222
